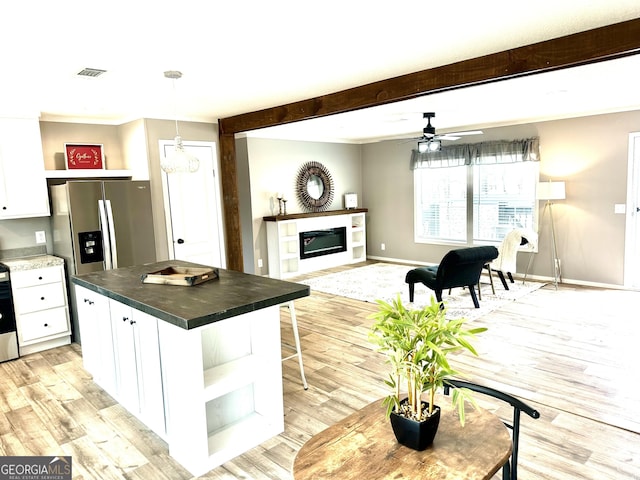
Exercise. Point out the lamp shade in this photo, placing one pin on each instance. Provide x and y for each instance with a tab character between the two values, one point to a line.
179	160
551	191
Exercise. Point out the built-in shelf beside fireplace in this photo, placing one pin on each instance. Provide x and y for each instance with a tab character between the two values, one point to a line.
288	235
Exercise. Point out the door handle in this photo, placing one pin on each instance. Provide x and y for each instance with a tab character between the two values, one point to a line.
180	241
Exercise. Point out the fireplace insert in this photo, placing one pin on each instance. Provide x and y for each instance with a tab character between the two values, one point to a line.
315	243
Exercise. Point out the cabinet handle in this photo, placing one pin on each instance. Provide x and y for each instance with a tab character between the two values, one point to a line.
46	324
41	298
132	322
124	319
39	278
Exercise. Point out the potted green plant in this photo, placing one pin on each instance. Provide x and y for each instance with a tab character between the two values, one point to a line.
417	343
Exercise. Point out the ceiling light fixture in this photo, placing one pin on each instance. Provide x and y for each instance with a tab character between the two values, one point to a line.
429	146
179	160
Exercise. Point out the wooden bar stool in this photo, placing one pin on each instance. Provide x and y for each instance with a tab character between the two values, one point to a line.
296	337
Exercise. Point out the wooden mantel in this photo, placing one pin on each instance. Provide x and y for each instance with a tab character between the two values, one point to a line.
295	216
597	45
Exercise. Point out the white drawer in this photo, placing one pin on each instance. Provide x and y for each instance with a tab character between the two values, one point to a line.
43	324
36	276
37	298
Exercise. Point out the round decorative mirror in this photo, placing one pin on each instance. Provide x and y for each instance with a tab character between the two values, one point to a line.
315	187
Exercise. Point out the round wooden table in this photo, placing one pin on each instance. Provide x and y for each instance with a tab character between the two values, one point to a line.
362	446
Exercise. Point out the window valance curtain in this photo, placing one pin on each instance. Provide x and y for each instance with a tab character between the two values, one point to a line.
483	153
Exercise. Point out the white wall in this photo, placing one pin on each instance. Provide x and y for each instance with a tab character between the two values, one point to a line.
21	233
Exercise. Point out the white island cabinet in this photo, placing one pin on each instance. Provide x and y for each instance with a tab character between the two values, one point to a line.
137	364
121	351
98	358
223	387
200	366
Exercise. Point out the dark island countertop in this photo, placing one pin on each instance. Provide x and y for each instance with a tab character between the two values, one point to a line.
233	293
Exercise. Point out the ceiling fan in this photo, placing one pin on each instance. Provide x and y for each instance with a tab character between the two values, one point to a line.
430	142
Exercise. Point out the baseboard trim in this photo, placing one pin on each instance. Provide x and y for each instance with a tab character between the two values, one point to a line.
537	278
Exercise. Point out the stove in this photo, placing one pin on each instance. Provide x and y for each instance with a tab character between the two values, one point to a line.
8	336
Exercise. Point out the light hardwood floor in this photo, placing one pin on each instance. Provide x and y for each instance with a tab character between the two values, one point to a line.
572	353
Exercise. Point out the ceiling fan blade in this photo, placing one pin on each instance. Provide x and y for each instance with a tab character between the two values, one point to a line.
469	132
456	135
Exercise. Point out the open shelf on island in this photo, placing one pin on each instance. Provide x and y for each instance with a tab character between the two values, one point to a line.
235	439
230	376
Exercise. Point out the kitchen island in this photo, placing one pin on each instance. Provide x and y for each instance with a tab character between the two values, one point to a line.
199	365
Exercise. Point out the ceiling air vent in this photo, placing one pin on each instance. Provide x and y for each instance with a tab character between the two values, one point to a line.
90	72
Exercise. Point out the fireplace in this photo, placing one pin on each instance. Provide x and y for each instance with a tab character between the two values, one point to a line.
315	243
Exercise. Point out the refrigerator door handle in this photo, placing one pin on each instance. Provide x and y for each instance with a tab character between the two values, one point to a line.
104	228
112	235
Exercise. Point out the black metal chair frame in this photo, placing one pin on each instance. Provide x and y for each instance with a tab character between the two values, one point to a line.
510	469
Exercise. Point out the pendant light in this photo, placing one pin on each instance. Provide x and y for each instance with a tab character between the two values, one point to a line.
178	160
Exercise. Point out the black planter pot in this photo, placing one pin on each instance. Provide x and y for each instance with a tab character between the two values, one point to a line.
413	434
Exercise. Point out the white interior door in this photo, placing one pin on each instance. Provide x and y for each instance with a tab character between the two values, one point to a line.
632	237
193	201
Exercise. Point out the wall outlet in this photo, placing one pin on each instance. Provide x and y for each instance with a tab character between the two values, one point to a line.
382	246
41	237
619	208
259	263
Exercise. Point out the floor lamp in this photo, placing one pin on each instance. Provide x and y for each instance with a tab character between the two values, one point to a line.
550	191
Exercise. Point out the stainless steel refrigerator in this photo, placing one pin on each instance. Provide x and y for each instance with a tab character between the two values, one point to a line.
100	225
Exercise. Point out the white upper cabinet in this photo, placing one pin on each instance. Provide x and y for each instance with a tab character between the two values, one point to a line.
23	186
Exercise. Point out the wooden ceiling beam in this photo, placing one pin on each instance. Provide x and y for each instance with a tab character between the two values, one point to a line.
596	45
600	44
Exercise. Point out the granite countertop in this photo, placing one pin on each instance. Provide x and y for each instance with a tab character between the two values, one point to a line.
29	263
188	307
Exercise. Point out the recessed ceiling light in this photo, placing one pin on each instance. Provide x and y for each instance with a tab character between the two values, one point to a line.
90	72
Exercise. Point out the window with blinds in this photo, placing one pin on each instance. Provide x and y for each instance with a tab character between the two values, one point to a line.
504	198
441	204
479	201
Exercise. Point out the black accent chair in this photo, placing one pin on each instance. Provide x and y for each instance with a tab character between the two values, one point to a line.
510	469
458	268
